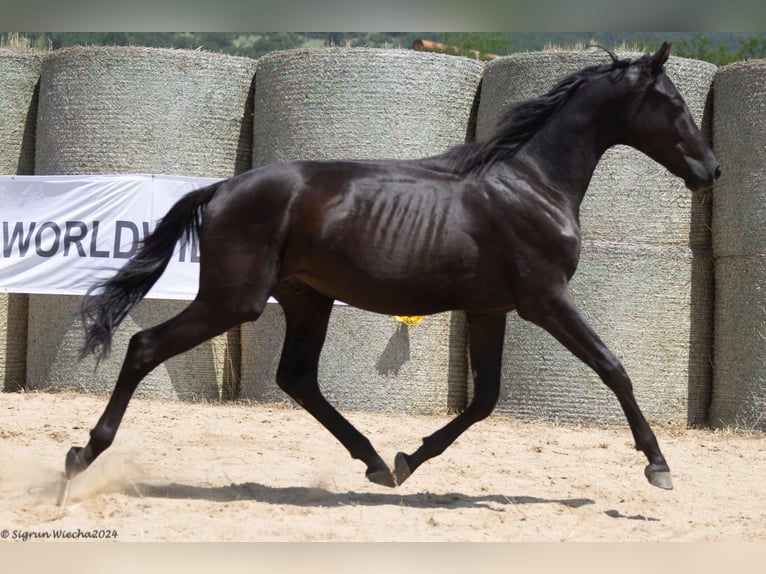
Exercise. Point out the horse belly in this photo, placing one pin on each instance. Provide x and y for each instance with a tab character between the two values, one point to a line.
376	281
408	282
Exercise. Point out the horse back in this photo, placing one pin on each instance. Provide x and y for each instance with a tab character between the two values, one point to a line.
360	231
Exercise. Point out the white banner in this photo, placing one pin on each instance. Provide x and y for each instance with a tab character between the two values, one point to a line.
62	234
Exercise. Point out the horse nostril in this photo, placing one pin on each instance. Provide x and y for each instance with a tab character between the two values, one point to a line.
718	172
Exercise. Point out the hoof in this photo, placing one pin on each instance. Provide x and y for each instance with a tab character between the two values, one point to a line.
382	477
401	468
74	462
659	476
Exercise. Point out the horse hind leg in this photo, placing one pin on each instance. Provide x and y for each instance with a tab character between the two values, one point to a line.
486	333
307	314
147	349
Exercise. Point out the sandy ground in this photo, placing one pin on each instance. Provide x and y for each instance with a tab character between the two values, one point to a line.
247	472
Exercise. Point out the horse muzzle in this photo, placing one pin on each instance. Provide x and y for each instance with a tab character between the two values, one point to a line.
703	175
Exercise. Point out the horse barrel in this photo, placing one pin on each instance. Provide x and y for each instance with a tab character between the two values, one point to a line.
645	276
359	103
739	247
138	110
19	79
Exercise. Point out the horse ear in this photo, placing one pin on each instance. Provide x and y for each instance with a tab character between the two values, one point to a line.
660	57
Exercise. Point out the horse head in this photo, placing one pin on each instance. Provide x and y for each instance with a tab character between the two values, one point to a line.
657	122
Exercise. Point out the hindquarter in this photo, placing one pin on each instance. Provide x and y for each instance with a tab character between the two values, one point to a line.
242	237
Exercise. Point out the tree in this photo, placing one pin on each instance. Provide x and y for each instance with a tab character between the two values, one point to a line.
752	47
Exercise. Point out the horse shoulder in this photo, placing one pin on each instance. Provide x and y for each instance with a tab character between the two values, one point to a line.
539	230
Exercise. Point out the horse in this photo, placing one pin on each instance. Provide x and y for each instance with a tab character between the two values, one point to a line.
484	228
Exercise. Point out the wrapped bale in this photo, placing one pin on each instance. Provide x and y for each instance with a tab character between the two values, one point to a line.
364	104
739	247
55	339
144	110
369	362
645	276
139	110
19	81
361	103
13	341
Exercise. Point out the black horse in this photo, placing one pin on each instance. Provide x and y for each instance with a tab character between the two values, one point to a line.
485	228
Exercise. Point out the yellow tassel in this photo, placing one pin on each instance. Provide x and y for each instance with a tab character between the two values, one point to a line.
409	320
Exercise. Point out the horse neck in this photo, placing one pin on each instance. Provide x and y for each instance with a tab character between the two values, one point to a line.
566	150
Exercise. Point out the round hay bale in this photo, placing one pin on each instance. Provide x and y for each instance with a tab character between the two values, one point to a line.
55	339
139	110
645	275
19	81
361	103
13	341
145	110
358	103
739	247
640	300
369	362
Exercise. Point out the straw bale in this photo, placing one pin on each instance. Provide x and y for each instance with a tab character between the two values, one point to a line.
739	383
139	110
145	110
361	103
640	301
19	80
369	362
644	279
739	128
55	338
739	247
13	341
358	103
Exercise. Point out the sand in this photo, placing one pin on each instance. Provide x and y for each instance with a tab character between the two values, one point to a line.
252	472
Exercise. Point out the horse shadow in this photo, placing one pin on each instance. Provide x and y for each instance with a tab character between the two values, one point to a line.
320	497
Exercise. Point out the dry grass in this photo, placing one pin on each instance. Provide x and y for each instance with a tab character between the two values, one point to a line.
593	45
20	43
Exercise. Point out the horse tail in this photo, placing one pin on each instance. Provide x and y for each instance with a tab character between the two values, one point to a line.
107	303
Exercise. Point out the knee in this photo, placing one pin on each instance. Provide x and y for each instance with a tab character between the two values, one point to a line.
615	376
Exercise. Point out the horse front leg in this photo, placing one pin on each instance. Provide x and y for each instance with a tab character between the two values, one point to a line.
486	333
558	315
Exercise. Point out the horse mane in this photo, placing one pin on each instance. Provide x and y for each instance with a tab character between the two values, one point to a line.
523	120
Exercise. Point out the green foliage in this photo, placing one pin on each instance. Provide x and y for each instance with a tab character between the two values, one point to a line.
752	47
702	48
717	47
